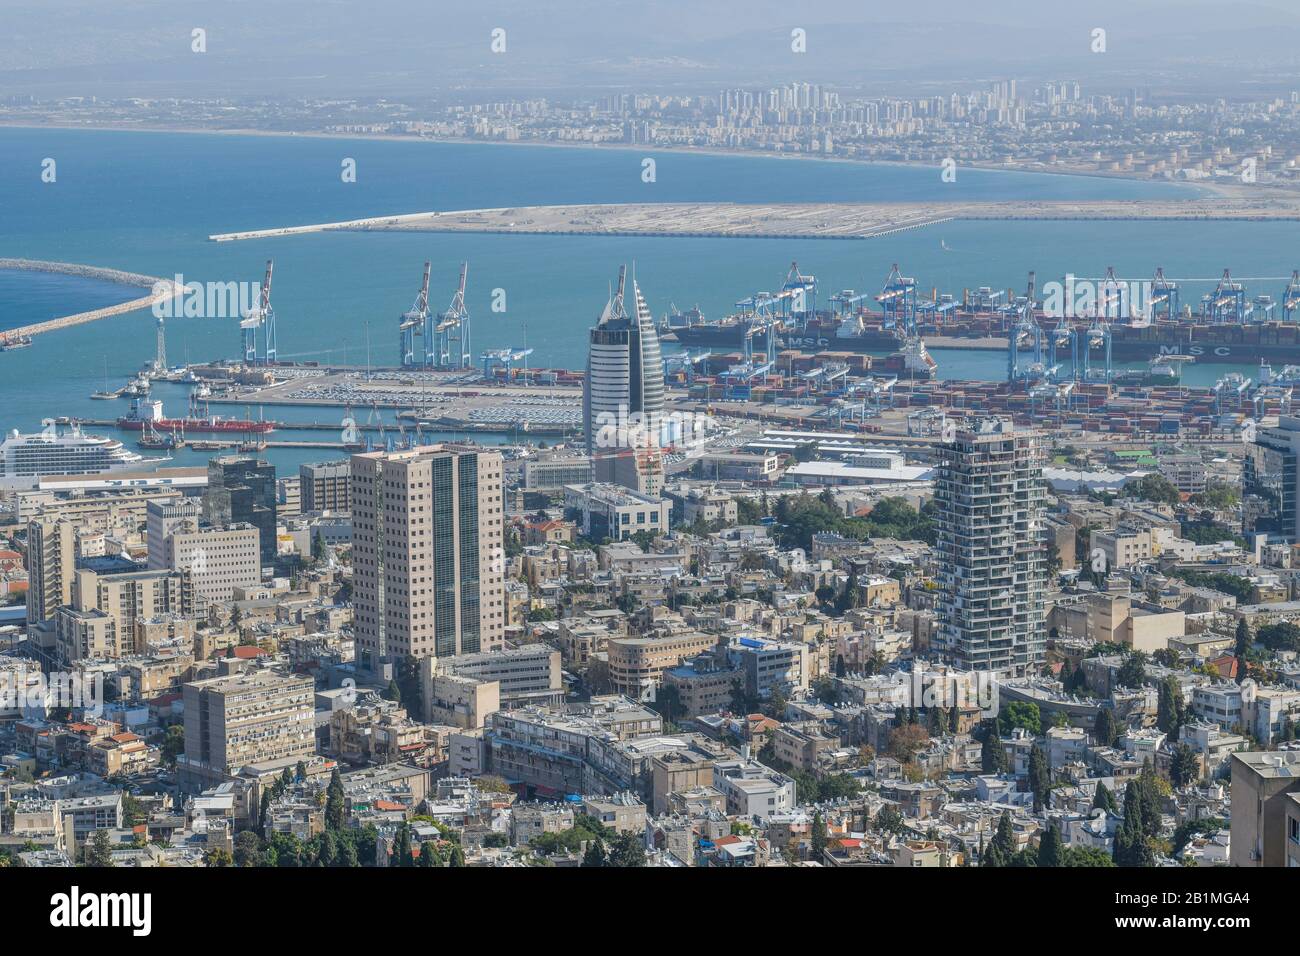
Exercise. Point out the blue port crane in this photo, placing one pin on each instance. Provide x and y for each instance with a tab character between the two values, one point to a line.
1291	297
412	323
258	324
799	294
1164	297
451	331
898	301
1227	303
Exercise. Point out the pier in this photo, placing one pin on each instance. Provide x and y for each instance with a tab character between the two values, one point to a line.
788	220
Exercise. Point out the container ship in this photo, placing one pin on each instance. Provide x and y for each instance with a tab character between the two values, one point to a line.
148	416
1229	328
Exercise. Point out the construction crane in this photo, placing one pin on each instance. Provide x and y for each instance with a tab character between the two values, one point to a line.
452	329
414	321
260	316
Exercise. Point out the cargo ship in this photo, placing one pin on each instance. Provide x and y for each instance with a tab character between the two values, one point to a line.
11	343
146	416
1228	329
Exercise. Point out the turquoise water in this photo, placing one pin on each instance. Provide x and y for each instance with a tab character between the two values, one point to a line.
146	202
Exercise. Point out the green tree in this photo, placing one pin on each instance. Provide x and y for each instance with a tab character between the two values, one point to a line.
248	849
173	744
993	756
218	857
402	855
1185	767
1104	730
1050	849
1171	710
1131	846
1001	850
818	836
627	850
1040	778
1021	714
1085	856
100	851
1103	799
335	806
429	854
1133	672
392	692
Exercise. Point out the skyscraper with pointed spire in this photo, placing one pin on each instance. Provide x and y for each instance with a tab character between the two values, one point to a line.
623	394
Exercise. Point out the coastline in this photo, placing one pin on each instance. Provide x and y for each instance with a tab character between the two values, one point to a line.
1197	189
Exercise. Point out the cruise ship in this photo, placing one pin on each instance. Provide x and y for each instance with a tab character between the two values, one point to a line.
24	459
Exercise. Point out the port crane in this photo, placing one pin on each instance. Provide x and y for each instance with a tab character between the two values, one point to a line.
800	293
898	301
493	359
1026	326
1227	303
260	316
451	333
414	321
1164	297
1291	297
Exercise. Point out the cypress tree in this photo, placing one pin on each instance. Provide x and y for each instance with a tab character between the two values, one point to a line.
1049	847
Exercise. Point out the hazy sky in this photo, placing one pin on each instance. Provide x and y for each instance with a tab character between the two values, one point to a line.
408	47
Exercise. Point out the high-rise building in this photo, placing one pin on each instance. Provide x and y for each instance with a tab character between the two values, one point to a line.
324	485
623	395
991	548
218	560
241	490
242	719
131	596
161	517
1271	481
51	563
427	553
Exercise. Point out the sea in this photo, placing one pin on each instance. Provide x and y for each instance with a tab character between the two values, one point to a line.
147	201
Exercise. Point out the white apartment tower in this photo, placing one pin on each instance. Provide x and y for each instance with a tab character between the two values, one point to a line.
428	554
991	548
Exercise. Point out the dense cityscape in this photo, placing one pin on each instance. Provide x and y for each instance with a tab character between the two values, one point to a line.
1056	126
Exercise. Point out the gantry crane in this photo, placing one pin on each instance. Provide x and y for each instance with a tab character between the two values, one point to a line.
260	316
413	322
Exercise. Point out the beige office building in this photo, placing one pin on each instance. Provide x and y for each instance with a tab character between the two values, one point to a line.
325	486
51	564
637	664
129	596
243	719
219	560
427	554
